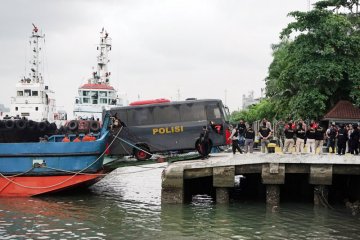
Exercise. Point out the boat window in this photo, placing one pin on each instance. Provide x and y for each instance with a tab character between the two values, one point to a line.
16	108
112	101
192	112
103	100
102	94
35	93
94	101
86	100
36	108
166	114
27	92
86	93
94	94
20	93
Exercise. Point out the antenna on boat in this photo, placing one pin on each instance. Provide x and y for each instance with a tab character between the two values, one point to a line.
102	75
35	47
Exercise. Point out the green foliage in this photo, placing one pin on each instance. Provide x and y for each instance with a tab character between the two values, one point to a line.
320	66
264	109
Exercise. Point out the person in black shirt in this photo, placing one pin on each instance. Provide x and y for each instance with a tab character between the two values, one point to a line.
204	143
241	129
331	134
342	138
265	134
319	138
289	138
234	139
249	139
310	135
300	134
354	140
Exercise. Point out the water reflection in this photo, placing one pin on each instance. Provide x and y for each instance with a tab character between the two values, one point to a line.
128	206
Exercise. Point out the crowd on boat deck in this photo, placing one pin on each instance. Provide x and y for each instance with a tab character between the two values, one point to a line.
342	138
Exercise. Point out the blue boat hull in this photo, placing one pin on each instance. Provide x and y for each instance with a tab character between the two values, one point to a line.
51	157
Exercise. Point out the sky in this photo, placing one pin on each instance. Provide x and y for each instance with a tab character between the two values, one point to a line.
160	49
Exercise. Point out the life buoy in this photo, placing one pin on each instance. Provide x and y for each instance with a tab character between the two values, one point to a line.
94	126
20	124
42	126
73	125
9	124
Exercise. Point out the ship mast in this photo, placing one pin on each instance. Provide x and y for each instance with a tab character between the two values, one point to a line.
102	76
35	75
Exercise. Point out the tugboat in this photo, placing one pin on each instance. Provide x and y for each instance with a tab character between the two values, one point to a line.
34	100
97	94
34	106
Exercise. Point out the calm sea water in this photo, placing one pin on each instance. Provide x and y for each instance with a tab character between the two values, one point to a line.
127	205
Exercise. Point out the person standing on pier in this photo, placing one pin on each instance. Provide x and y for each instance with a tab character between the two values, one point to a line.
241	128
310	134
264	134
331	135
249	139
350	130
354	140
289	138
204	143
342	138
319	138
234	139
300	134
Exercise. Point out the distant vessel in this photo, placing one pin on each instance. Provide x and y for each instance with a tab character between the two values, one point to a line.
97	94
34	100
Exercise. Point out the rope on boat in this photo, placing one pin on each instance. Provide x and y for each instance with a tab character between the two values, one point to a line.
138	148
62	182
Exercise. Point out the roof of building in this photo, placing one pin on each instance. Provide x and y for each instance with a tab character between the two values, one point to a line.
343	110
96	86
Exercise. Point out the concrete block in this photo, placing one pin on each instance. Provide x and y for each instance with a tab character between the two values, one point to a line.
172	195
198	173
224	176
222	195
173	177
321	174
272	195
273	173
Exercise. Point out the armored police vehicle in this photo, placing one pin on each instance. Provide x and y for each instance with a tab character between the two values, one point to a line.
168	126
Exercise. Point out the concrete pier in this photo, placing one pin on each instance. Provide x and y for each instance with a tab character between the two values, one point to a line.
273	171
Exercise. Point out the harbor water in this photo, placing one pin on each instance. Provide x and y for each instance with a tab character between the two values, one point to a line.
127	205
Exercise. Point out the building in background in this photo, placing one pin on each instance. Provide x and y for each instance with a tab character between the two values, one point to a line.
249	100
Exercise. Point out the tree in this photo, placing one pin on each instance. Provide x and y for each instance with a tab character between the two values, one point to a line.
316	64
263	109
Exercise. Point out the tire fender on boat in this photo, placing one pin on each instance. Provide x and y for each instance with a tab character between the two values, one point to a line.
20	124
42	126
94	126
9	124
73	125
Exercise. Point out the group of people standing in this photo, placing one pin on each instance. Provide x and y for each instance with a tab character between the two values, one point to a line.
242	135
313	135
298	134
